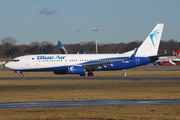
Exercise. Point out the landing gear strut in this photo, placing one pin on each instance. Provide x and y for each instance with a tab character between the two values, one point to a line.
90	73
20	72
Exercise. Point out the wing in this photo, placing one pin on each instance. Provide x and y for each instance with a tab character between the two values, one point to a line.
99	64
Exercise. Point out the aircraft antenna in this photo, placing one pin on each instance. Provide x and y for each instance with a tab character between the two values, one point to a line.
96	30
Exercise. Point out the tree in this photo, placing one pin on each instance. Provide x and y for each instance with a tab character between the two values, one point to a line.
46	47
34	48
132	45
12	51
8	44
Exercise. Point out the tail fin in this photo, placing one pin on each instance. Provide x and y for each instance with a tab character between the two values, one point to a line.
151	44
62	48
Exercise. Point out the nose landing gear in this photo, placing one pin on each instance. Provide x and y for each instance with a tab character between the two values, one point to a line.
19	72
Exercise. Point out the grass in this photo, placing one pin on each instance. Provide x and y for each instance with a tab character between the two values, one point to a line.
147	112
57	90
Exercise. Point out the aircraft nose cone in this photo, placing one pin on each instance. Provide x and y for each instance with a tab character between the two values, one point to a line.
7	65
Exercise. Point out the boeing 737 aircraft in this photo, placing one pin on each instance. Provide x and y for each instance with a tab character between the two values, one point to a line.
81	63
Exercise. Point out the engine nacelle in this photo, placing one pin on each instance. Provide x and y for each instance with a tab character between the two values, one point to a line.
75	70
65	71
70	70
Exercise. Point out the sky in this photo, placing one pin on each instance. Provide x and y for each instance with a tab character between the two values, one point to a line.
72	21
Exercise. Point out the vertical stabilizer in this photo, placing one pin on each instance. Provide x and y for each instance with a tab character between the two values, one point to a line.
151	44
62	48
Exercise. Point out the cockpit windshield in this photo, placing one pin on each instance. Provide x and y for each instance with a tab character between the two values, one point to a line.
15	60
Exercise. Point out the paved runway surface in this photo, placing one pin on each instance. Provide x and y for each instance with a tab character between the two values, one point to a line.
93	78
87	103
149	67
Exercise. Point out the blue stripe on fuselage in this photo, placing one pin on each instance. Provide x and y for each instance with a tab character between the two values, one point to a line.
127	64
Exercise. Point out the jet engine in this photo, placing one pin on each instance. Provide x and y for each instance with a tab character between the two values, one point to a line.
71	70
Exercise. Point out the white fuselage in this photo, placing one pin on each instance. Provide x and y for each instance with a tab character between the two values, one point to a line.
40	61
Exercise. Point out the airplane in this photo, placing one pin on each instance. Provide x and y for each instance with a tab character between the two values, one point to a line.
62	48
81	63
169	60
176	53
164	61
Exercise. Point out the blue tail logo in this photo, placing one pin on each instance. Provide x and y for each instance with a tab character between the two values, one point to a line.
153	35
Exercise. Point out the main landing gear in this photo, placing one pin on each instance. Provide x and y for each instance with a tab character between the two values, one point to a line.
90	73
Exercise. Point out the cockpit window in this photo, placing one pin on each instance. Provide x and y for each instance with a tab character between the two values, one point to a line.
15	60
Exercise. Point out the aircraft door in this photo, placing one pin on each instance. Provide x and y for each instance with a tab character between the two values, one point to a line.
33	62
28	63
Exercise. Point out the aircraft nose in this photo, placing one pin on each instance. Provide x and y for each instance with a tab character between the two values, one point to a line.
8	65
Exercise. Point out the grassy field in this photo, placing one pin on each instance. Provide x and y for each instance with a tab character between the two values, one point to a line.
58	90
148	112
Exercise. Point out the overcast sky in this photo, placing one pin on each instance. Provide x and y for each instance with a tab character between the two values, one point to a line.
72	21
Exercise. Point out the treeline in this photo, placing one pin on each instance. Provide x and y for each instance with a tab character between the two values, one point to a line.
9	49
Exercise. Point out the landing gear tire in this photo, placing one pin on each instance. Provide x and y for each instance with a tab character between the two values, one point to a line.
22	75
83	74
90	73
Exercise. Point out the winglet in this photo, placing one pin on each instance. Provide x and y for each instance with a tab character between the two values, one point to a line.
134	54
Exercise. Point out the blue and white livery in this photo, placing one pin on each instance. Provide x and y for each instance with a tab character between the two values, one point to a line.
81	63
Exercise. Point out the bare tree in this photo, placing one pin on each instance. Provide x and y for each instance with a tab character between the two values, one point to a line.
46	47
8	42
35	44
8	45
46	43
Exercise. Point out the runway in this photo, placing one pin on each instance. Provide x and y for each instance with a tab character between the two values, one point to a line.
87	103
91	78
149	67
94	103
